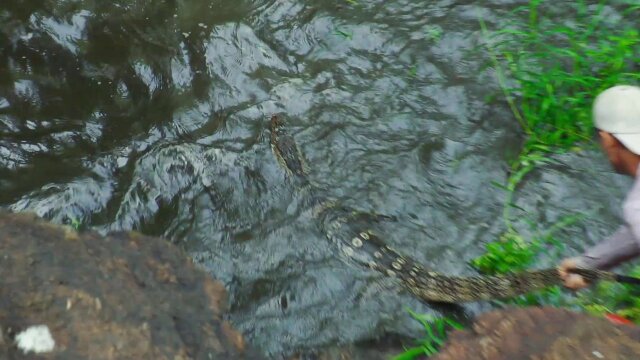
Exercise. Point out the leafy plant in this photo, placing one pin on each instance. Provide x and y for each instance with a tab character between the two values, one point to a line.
612	298
413	71
75	223
436	334
433	32
512	253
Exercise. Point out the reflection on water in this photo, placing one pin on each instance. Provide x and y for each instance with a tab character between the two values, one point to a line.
152	116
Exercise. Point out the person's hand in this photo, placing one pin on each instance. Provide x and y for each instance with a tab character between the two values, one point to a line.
570	280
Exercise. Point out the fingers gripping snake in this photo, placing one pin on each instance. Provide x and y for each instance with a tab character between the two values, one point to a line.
349	230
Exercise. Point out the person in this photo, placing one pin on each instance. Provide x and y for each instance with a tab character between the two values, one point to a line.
616	117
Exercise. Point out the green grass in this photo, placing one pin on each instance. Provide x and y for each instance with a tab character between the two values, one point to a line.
343	34
612	298
512	253
75	223
436	329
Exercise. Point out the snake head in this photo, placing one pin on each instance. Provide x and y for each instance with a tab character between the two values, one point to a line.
277	127
275	123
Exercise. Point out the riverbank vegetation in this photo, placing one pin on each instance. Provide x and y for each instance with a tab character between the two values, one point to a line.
549	73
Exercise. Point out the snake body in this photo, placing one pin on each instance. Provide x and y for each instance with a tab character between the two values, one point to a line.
350	231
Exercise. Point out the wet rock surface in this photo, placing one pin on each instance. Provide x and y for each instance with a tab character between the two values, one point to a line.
125	296
542	333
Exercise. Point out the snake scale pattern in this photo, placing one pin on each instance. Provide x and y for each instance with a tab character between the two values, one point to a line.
349	230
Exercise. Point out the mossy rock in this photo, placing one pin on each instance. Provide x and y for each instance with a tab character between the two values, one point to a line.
124	296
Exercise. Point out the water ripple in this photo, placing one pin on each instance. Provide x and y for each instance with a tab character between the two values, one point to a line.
153	116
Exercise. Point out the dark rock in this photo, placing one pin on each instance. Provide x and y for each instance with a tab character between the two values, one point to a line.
543	334
125	296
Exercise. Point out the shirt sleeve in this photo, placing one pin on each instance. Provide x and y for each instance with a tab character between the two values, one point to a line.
614	250
624	244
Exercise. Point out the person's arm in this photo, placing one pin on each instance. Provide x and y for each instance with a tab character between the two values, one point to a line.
614	250
624	244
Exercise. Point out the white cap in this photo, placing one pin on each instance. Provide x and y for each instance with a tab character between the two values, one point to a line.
617	111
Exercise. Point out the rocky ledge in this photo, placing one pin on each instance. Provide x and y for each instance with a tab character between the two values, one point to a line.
543	334
70	295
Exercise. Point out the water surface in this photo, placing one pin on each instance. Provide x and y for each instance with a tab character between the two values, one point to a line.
154	116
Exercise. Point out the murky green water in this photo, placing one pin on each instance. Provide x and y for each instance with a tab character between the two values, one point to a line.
153	116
